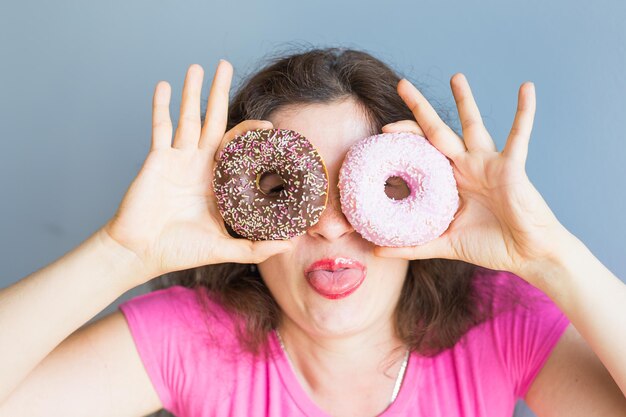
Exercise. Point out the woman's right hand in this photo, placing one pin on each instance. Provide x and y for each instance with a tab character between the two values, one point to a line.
169	216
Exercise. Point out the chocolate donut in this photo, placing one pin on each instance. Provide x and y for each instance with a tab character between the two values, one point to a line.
270	184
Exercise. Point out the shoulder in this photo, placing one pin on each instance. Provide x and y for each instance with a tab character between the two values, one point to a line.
176	298
186	341
176	294
178	313
516	309
524	327
506	295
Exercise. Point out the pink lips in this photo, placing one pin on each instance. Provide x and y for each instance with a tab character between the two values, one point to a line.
335	277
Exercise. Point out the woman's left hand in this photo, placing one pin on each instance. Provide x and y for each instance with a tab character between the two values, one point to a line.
502	223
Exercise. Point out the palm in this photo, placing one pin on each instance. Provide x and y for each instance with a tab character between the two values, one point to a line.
169	217
171	205
502	221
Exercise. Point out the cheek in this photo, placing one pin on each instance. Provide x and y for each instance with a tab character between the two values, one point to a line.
278	272
389	273
284	266
391	267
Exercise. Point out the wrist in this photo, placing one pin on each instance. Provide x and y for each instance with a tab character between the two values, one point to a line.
125	260
554	274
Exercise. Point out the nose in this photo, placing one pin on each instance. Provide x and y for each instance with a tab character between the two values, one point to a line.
332	224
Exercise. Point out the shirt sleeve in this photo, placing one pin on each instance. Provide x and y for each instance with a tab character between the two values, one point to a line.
158	322
528	332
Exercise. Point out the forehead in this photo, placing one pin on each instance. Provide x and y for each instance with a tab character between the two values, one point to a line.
331	127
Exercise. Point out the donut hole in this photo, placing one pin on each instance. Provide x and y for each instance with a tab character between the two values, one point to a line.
270	183
396	188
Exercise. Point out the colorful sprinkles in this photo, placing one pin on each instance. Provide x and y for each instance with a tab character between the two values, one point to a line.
248	210
422	216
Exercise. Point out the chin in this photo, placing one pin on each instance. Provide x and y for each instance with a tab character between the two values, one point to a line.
336	317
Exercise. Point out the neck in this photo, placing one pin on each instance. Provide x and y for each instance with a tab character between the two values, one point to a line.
371	357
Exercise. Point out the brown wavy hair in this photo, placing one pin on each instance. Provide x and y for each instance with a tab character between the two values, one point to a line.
441	299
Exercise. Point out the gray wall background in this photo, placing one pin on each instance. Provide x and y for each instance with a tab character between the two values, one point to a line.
77	80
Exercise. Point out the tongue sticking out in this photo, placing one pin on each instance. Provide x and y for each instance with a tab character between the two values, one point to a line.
335	282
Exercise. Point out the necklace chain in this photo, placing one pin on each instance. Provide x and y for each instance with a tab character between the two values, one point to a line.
399	379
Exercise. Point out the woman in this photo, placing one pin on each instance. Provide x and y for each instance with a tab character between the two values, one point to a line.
431	331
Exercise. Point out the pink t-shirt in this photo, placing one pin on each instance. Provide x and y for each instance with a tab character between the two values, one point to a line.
197	375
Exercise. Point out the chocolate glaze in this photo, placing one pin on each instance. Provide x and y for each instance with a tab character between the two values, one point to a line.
255	215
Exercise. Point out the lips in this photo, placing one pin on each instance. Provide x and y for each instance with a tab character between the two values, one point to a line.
335	277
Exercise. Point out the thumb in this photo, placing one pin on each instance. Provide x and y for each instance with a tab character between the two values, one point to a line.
263	249
248	251
437	248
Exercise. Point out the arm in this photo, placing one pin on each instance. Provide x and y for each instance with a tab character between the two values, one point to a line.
574	383
96	371
504	224
38	312
168	220
590	296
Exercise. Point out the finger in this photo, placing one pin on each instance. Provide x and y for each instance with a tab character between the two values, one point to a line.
475	134
240	129
161	122
403	126
517	143
436	131
437	248
216	116
188	130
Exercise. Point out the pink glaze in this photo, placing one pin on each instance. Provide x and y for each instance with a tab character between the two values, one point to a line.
419	218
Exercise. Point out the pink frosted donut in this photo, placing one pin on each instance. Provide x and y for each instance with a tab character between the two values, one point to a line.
416	219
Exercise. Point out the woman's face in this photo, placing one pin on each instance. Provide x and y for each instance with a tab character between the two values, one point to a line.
332	129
